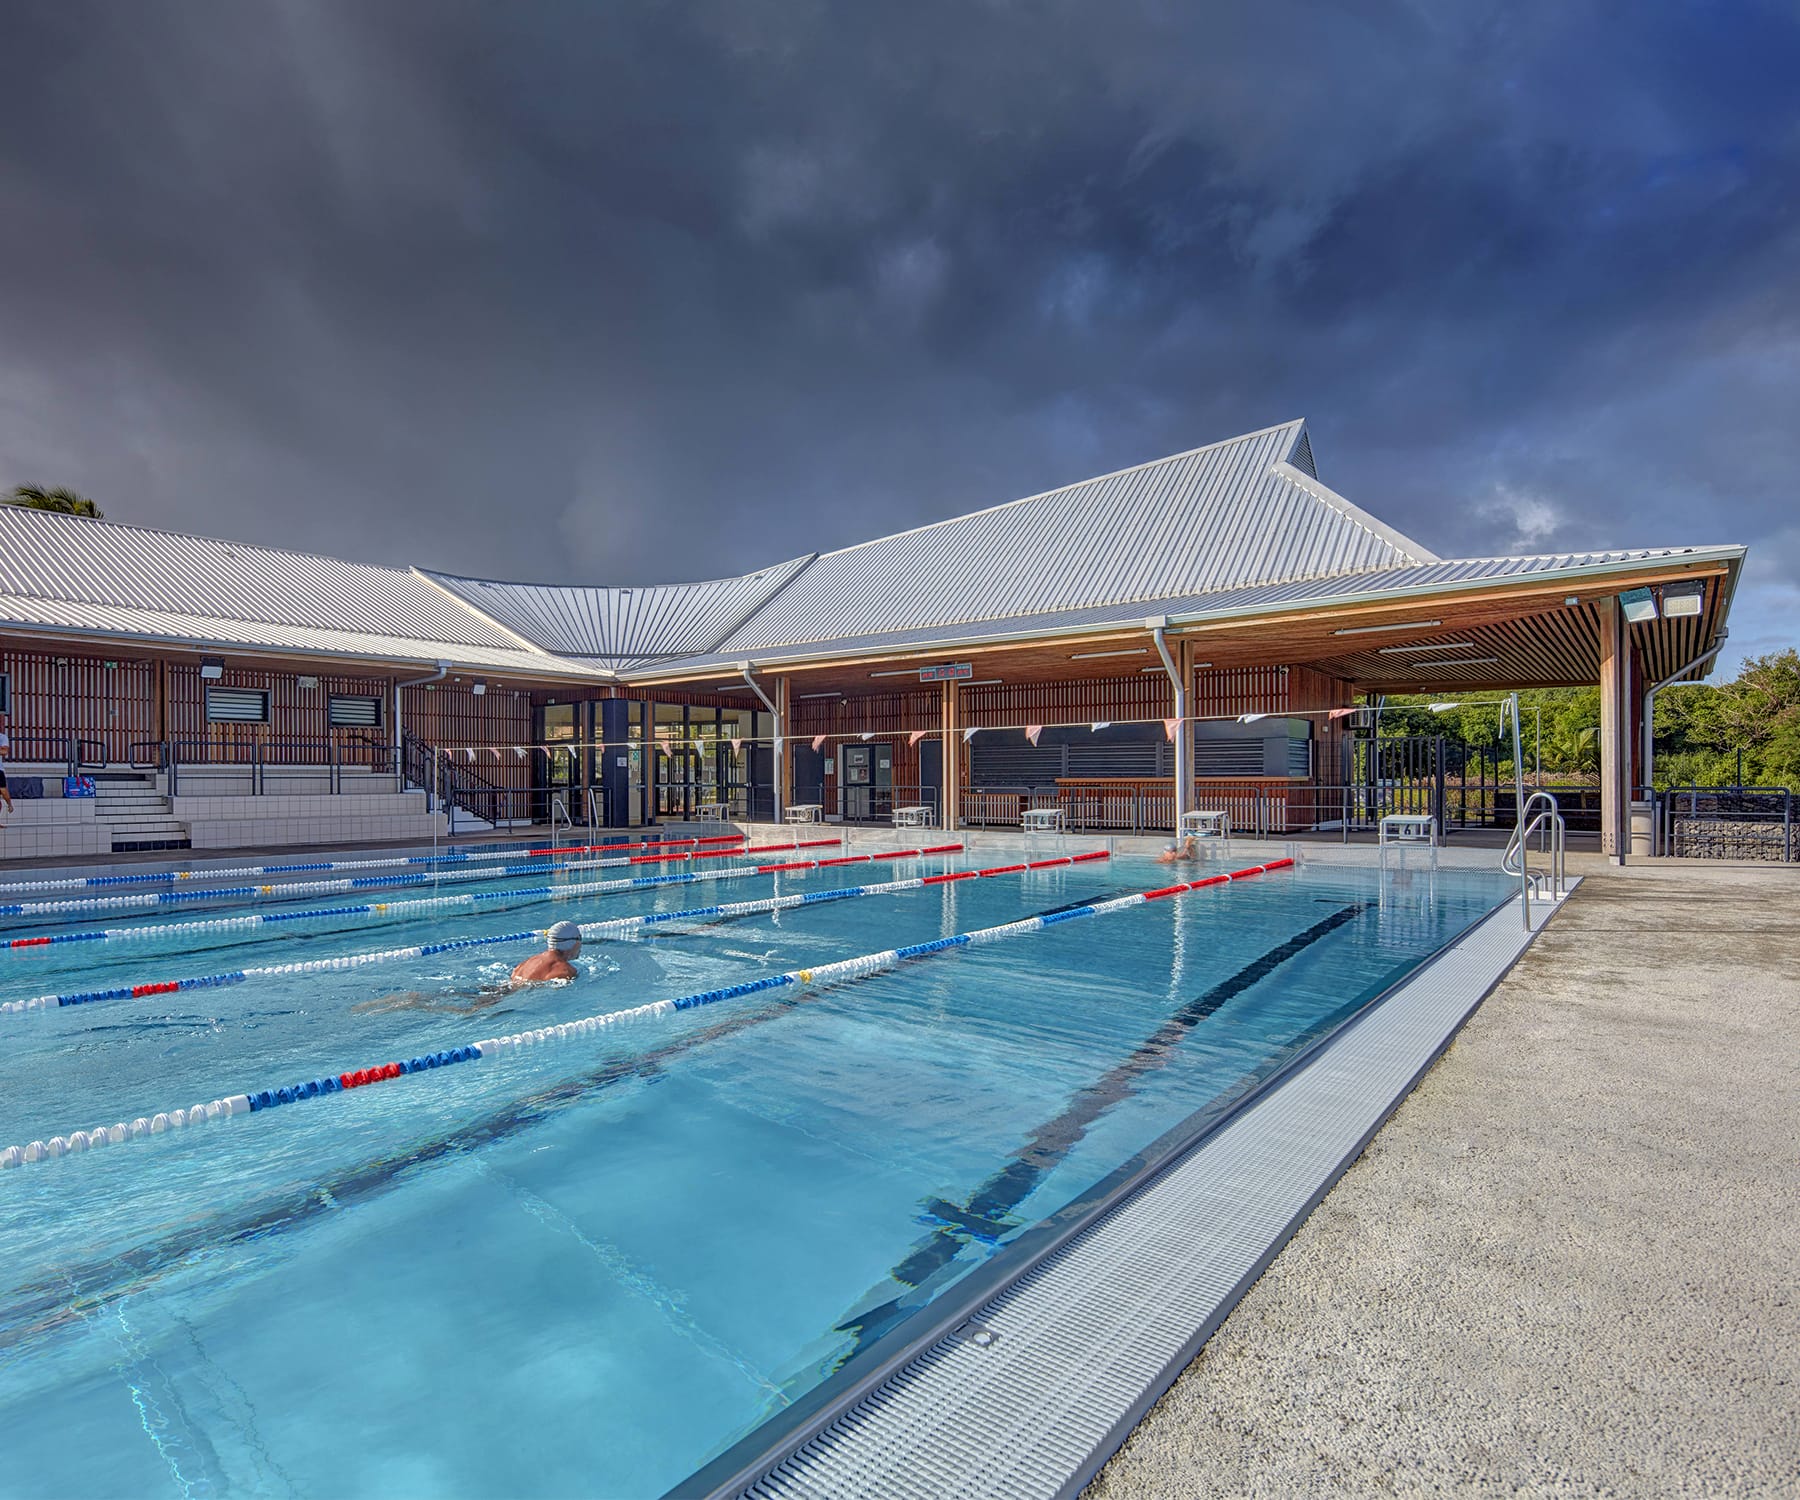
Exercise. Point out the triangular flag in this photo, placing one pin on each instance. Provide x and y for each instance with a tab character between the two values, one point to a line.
916	736
1102	724
1032	731
468	752
519	750
1169	728
494	750
968	734
819	741
1250	718
1338	713
868	734
736	745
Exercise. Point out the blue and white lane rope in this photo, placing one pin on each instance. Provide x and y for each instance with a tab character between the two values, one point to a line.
479	856
401	909
361	883
611	927
251	1102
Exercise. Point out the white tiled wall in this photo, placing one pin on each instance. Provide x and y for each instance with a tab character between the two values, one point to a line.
42	828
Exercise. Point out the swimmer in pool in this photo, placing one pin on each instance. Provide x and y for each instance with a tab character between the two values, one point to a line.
555	961
552	964
1185	848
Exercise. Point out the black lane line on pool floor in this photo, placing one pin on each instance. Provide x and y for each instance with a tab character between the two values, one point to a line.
41	1306
986	1216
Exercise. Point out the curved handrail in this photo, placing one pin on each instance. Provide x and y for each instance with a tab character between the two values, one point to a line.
1550	819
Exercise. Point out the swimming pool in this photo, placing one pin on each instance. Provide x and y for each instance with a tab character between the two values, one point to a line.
588	1267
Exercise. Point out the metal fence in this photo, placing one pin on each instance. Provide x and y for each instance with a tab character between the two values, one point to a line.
1738	822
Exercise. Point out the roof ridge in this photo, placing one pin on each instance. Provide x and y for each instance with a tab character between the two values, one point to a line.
1414	552
1073	484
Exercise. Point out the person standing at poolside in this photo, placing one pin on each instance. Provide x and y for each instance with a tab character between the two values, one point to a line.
555	961
5	745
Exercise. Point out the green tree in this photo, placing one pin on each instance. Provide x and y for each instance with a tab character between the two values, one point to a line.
58	498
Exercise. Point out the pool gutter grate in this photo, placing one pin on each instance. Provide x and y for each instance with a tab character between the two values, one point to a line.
1087	1340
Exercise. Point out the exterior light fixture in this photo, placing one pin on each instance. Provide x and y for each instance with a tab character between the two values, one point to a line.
1377	629
1639	606
1683	600
818	695
1461	661
983	682
479	689
212	670
903	672
1434	646
1096	655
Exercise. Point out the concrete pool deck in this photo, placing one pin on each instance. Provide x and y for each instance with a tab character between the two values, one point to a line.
1567	1264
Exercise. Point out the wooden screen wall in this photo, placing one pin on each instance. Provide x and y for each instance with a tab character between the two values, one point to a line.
109	701
297	724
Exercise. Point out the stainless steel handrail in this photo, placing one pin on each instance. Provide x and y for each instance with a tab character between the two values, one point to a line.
1550	820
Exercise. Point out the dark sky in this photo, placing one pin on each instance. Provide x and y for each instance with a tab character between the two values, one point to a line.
642	292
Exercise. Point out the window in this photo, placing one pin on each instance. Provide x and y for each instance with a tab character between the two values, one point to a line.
236	706
353	713
5	692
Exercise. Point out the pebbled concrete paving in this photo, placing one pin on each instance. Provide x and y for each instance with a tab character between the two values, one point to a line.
1568	1264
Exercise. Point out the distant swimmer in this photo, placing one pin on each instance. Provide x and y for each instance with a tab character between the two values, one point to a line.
555	961
1186	848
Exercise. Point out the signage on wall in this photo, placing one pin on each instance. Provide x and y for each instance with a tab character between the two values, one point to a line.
955	671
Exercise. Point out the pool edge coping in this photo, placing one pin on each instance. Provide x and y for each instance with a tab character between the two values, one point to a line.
753	1463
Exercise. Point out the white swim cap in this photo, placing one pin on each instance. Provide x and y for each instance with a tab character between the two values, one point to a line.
564	935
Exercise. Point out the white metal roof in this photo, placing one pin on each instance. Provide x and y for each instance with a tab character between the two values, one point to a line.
625	623
1225	516
62	617
1234	528
76	560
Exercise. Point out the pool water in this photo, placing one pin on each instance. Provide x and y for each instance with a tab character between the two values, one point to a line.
588	1267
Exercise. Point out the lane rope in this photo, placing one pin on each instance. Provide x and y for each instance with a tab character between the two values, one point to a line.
370	882
612	926
253	1102
512	851
401	909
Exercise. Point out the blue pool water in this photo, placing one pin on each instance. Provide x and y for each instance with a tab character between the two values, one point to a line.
588	1267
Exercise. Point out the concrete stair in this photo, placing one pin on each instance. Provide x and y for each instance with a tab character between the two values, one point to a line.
134	814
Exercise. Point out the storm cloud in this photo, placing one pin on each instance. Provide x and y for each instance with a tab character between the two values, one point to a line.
659	291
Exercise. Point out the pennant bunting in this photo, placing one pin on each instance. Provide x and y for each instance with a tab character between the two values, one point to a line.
868	734
1099	724
968	734
1169	728
819	741
1032	731
1250	718
1339	713
736	745
916	736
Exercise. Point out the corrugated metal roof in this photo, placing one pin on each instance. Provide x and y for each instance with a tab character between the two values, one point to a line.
63	616
1421	578
1232	514
620	623
47	556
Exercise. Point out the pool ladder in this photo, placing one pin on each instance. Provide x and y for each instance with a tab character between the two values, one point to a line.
1552	833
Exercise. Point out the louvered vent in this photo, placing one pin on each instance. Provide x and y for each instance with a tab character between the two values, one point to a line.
1228	758
1303	459
236	706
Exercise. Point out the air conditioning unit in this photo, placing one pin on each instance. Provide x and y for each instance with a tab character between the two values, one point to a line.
1361	718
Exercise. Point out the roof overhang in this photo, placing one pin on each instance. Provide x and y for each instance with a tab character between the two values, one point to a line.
1294	631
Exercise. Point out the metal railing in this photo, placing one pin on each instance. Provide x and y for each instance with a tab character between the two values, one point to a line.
74	752
1541	818
274	766
1725	822
876	804
1255	809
